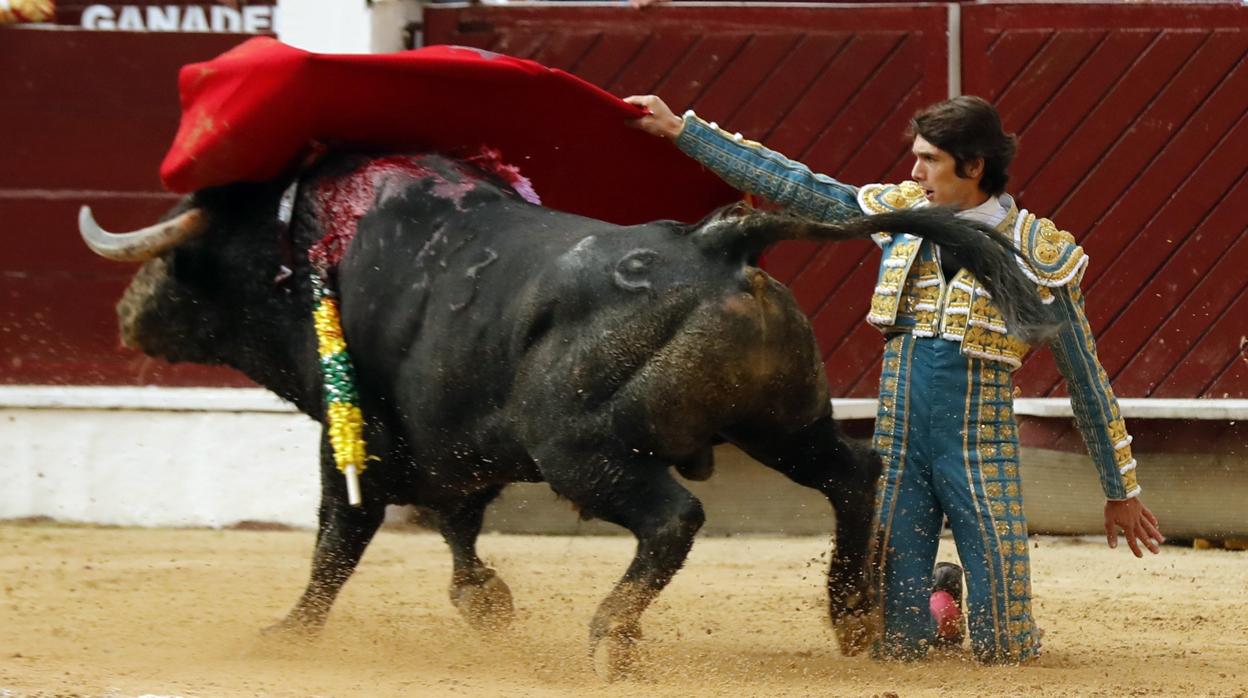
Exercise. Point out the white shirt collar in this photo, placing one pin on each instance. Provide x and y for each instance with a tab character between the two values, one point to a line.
990	213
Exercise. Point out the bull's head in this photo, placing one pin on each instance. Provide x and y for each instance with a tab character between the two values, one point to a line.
204	271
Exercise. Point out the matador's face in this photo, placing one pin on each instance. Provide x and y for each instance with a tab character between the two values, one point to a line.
936	171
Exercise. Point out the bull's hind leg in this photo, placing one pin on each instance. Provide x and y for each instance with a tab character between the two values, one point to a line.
821	457
481	596
640	495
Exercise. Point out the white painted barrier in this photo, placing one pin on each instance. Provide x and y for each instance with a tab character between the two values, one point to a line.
214	457
159	468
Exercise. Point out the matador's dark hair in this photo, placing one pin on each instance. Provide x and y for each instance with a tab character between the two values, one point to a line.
967	128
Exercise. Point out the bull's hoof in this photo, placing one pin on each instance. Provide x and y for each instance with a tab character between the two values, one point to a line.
292	627
615	654
855	632
486	605
287	639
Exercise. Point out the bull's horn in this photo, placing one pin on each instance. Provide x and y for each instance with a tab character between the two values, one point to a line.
139	245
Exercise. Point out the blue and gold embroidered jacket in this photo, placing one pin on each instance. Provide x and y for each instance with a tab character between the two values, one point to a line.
912	295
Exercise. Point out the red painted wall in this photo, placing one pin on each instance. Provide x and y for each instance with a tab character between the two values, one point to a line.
86	118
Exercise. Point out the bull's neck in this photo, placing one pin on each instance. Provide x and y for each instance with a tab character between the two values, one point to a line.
282	358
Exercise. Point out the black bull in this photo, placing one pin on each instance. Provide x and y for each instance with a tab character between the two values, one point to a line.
496	341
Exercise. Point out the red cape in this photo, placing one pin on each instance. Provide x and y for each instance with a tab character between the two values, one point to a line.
250	114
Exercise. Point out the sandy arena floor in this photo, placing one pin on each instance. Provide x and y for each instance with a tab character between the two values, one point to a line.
115	612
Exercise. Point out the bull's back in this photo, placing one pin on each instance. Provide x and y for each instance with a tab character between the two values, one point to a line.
436	299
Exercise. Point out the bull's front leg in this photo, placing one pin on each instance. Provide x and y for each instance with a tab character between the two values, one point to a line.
343	533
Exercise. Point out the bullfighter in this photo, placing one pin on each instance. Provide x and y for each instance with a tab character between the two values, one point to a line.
946	427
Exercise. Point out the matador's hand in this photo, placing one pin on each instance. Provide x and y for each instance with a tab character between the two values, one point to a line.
660	121
1137	523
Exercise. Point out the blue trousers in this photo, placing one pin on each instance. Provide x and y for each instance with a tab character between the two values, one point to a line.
947	434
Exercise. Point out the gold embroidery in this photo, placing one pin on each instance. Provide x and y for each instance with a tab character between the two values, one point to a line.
1047	253
1129	482
893	197
1117	430
1053	254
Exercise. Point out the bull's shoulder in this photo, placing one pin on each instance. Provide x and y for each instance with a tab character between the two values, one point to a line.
885	198
1052	254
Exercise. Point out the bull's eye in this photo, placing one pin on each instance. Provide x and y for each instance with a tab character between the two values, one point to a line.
632	267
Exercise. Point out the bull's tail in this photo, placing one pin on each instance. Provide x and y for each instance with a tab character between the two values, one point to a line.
988	255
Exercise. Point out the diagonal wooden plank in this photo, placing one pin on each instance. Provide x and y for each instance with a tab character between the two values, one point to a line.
786	260
1008	54
867	384
662	53
627	65
794	75
1089	143
884	155
853	357
755	62
1183	337
844	130
1140	143
826	272
1046	73
1074	100
1164	293
561	50
832	92
699	68
1165	204
609	55
1211	354
845	308
1232	382
522	45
